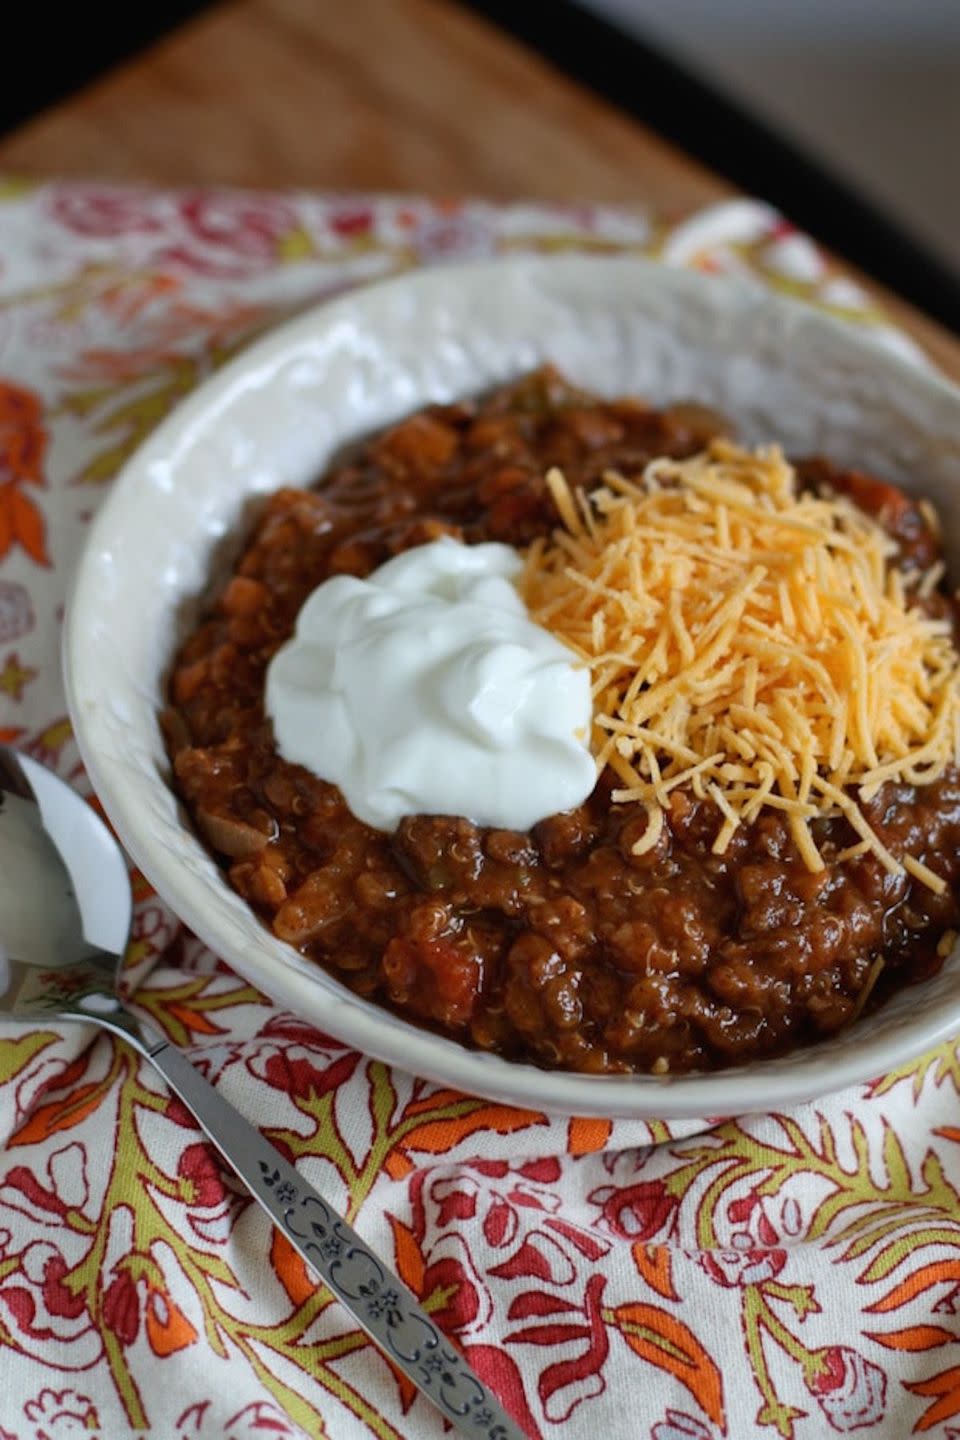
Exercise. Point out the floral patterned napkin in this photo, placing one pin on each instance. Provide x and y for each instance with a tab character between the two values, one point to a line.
790	1275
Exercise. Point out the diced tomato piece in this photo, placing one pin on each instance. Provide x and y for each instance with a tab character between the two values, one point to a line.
433	977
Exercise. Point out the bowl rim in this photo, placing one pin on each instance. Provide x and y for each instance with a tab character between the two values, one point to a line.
358	1023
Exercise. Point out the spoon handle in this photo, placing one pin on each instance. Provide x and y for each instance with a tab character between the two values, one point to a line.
379	1302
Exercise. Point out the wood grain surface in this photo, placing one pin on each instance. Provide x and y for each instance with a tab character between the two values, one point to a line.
414	95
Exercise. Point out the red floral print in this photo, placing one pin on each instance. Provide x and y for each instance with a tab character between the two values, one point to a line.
733	1268
104	212
61	1414
231	233
850	1390
121	1308
578	1333
198	1166
635	1212
60	1300
299	1060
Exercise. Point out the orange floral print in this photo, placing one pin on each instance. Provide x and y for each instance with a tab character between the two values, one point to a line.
23	444
585	1137
290	1270
661	1339
655	1265
168	1329
944	1389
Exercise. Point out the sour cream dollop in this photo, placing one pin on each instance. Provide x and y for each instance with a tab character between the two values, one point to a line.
427	690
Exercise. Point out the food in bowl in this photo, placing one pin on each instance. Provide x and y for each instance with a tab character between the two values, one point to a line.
773	839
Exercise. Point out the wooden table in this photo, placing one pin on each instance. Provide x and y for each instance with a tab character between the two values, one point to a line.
415	95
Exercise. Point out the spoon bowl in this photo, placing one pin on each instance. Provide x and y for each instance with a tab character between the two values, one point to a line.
65	899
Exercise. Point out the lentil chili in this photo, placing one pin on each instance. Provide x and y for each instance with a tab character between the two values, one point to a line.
560	946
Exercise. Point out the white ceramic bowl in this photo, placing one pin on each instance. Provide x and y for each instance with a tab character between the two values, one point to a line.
273	417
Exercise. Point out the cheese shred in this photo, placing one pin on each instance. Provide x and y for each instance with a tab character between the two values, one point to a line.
751	640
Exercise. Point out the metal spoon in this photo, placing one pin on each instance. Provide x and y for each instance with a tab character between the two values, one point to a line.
65	914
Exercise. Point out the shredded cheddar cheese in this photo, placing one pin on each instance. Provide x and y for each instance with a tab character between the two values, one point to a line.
756	643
